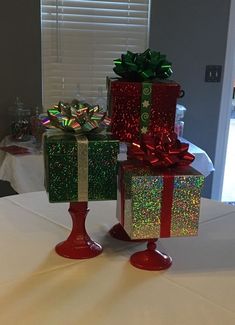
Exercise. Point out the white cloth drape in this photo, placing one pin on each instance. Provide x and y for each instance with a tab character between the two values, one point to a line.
39	287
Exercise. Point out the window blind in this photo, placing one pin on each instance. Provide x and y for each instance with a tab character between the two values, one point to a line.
80	40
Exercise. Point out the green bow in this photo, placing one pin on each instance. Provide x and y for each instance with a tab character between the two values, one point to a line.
143	66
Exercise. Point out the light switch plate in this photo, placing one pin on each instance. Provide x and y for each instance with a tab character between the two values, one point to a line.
213	73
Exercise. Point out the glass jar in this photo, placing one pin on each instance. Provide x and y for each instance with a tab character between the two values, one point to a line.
20	121
179	124
101	100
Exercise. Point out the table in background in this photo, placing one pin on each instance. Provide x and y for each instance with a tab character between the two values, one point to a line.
39	287
26	173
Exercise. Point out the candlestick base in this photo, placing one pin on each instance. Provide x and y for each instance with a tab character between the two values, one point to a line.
78	245
118	232
151	259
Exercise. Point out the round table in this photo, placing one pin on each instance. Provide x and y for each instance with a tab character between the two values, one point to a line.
37	286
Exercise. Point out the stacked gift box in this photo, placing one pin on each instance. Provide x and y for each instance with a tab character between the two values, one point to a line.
156	203
157	192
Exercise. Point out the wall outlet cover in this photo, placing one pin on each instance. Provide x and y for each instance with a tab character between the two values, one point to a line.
213	73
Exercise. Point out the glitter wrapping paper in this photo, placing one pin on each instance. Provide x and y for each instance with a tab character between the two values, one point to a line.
154	203
65	167
126	108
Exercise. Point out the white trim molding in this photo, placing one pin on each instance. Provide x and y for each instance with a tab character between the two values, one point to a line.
225	108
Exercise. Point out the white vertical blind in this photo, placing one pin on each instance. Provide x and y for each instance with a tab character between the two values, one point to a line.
80	40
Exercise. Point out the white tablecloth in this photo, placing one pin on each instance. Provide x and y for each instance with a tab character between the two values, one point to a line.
26	172
39	287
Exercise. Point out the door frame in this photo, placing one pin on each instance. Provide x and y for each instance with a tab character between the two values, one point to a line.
225	108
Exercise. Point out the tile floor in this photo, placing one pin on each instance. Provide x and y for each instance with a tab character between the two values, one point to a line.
228	193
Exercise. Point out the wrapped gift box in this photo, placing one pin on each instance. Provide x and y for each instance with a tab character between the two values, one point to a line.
80	168
138	108
154	203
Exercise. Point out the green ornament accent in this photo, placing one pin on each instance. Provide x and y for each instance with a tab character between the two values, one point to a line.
145	107
143	66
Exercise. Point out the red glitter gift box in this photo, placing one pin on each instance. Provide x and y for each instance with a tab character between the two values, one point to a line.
139	108
154	203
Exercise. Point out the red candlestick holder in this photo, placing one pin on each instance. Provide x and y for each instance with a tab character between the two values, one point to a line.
78	245
118	232
151	259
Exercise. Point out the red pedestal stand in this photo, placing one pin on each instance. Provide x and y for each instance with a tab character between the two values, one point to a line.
118	232
78	245
151	259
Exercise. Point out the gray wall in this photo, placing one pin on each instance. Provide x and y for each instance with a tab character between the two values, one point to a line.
193	34
20	56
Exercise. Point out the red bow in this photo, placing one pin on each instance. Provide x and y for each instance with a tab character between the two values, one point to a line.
161	150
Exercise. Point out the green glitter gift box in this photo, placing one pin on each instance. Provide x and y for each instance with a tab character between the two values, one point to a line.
154	203
80	168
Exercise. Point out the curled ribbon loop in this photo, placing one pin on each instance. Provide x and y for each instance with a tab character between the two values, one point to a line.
76	117
143	66
161	150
